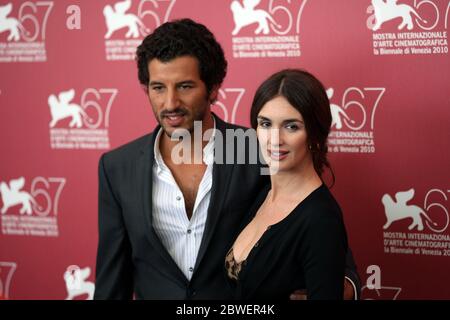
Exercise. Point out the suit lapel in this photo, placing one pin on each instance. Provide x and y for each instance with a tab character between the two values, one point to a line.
221	176
144	178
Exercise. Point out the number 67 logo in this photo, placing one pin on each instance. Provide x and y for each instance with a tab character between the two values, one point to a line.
7	270
30	23
89	112
43	198
354	112
229	114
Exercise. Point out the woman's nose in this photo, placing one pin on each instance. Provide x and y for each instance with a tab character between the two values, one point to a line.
275	138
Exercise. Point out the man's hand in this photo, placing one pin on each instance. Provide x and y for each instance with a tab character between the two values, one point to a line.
299	295
349	293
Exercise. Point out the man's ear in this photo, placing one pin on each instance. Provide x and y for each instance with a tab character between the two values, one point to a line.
214	93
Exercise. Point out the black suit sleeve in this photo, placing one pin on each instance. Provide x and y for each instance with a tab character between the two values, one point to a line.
114	266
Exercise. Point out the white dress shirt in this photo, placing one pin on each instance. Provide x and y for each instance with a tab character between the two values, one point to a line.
180	236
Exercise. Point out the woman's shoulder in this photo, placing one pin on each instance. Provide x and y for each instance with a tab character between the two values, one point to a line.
322	219
321	204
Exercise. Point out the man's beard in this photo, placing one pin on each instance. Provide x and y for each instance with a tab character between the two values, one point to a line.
183	112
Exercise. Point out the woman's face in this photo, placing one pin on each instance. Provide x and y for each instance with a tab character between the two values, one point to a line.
282	136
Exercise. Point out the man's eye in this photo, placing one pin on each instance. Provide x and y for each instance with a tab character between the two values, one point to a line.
185	87
157	88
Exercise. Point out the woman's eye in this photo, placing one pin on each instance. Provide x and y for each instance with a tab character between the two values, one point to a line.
264	124
292	127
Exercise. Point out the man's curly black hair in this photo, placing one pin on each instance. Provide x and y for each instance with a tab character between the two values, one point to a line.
183	37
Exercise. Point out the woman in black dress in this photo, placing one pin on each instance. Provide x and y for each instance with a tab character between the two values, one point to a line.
294	237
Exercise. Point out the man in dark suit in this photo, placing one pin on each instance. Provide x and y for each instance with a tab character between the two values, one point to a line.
165	226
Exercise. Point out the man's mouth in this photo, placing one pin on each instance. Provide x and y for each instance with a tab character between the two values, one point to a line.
174	119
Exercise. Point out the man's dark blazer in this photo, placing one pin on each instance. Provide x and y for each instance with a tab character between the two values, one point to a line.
131	259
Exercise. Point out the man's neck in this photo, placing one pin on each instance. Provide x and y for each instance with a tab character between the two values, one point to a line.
166	144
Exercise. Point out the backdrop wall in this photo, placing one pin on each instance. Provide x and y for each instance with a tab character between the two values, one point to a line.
69	92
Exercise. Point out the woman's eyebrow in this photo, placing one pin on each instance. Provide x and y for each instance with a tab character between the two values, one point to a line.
284	121
293	120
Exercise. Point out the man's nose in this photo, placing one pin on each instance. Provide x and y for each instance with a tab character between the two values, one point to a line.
172	100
